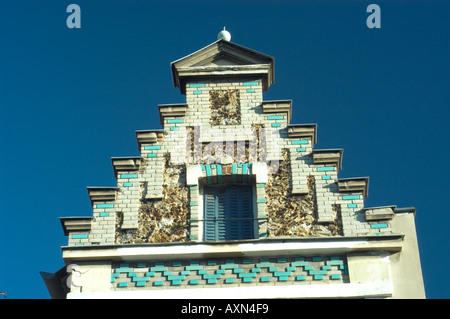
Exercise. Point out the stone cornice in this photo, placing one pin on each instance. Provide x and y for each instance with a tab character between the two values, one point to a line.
303	130
250	248
102	194
168	110
355	184
125	164
280	106
328	156
148	136
75	224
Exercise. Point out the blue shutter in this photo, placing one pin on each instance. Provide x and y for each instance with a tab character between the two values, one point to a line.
209	214
246	211
224	208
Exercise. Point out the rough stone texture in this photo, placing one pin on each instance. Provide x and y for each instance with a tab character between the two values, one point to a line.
295	215
163	220
225	107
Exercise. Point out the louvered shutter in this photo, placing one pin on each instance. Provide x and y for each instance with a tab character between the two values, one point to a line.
209	214
228	213
246	211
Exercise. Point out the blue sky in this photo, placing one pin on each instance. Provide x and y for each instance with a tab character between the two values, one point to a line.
70	99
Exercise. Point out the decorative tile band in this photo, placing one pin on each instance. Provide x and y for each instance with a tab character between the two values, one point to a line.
226	272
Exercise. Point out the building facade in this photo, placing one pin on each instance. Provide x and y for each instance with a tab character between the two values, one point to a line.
231	200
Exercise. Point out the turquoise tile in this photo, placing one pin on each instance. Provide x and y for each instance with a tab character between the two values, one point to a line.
103	214
176	277
137	279
249	83
229	280
127	184
261	200
128	176
317	272
326	177
215	276
249	275
158	283
275	117
283	278
350	197
193	267
197	92
281	273
325	169
174	128
228	266
317	258
237	271
276	124
196	85
300	278
250	90
301	149
378	226
211	281
152	147
120	270
174	121
318	277
123	284
352	205
151	155
193	282
79	236
247	279
104	205
334	277
300	142
140	284
264	279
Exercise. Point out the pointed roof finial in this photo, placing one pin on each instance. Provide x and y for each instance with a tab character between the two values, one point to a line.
224	35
